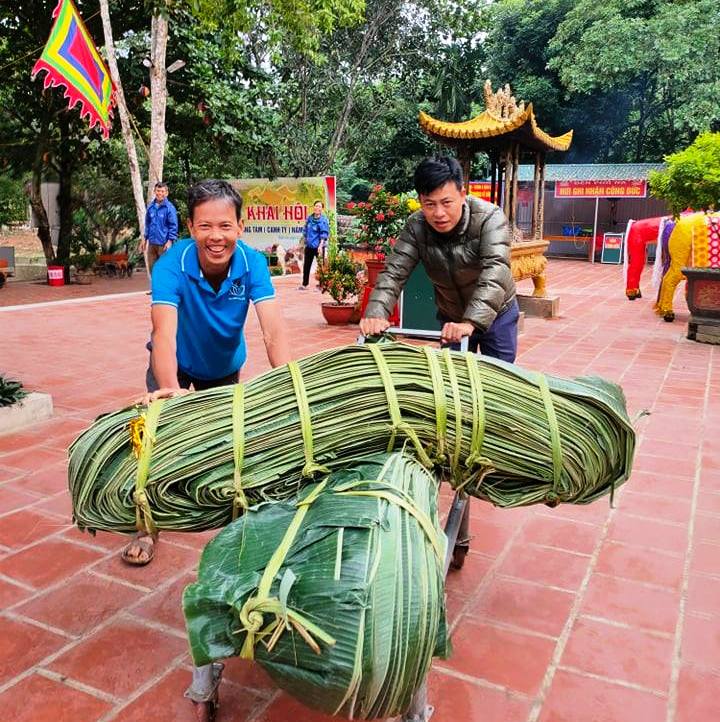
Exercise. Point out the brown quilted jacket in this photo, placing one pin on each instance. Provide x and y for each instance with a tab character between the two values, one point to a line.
469	268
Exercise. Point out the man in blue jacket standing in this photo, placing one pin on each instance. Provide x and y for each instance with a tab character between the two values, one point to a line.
161	226
315	235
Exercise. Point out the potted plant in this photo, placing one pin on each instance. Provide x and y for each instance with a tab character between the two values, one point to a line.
83	266
338	277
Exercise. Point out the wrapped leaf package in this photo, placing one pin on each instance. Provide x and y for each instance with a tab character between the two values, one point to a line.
510	436
338	595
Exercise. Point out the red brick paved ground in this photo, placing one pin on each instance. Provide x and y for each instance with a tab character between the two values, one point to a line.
566	615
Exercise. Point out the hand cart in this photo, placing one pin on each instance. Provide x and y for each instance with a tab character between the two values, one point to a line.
204	690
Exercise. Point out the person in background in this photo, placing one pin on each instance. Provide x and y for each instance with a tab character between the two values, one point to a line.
202	289
161	226
315	236
464	244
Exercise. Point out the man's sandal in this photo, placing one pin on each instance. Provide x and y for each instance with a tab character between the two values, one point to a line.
146	543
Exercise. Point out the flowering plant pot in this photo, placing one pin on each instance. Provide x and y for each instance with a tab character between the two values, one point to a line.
338	314
374	266
381	218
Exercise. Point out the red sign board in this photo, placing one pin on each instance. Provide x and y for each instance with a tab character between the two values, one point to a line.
601	189
480	189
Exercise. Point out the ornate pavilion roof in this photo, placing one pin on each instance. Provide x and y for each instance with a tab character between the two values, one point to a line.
503	119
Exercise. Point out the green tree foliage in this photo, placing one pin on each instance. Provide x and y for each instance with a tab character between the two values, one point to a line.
13	201
692	176
661	55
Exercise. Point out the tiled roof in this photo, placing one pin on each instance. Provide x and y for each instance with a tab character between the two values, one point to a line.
486	125
592	171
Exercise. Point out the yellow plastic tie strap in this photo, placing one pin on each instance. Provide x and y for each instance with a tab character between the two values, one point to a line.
305	420
240	501
251	613
457	408
440	402
143	515
554	435
394	408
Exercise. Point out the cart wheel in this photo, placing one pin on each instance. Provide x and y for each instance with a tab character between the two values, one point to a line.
2	280
206	711
459	553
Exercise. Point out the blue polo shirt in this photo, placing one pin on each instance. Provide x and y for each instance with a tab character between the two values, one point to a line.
210	338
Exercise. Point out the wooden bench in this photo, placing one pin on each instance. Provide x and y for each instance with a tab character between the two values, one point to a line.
113	265
577	239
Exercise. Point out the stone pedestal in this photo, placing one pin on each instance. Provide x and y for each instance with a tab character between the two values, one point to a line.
33	408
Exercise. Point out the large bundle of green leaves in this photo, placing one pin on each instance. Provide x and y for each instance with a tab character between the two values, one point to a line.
339	595
510	436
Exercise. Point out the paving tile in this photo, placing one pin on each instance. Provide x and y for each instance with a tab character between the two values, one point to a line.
628	655
59	505
26	526
661	484
512	659
47	562
196	540
525	605
464	582
707	528
39	699
709	502
285	708
165	605
664	465
489	538
47	481
554	567
11	594
11	499
648	533
633	603
249	674
701	642
23	645
165	702
119	658
574	698
457	699
698	698
39	458
105	540
169	561
655	507
562	534
705	557
78	607
703	594
642	565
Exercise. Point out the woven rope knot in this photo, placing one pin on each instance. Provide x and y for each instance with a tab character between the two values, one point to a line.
552	499
311	468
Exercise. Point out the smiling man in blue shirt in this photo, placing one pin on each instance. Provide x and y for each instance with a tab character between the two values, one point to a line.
201	293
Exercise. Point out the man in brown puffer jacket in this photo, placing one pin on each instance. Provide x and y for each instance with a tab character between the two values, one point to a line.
464	244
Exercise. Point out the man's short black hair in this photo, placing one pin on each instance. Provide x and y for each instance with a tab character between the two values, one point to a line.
161	184
433	173
318	201
213	190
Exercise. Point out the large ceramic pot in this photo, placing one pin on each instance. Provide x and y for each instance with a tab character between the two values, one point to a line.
373	270
338	314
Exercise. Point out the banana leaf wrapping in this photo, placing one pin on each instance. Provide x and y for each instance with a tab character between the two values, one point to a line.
509	436
339	595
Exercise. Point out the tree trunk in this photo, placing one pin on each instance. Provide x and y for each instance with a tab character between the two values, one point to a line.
133	165
38	207
158	95
65	171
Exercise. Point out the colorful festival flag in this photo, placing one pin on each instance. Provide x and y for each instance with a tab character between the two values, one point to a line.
71	60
